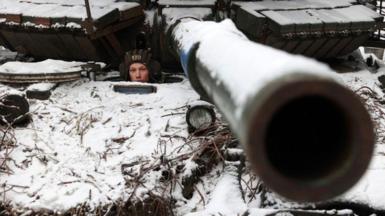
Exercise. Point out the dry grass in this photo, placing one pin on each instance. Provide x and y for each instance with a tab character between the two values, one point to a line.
158	201
7	144
376	107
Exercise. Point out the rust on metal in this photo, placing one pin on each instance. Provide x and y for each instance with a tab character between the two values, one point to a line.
42	21
111	38
130	14
31	45
117	27
16	18
60	47
90	48
42	42
71	46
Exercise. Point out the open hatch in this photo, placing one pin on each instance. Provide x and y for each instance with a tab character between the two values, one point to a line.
134	89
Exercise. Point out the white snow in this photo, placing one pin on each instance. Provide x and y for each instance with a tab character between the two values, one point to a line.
73	25
62	8
226	198
174	14
186	2
294	4
41	86
189	166
200	103
8	90
370	190
73	150
239	50
248	70
149	16
47	66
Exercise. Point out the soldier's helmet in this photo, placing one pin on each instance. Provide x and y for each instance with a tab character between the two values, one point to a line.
140	56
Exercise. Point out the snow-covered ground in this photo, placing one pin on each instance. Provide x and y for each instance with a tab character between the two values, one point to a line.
90	145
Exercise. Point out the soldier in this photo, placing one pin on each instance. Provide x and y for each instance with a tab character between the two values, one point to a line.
139	67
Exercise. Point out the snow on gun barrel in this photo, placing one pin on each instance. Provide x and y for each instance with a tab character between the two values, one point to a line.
306	136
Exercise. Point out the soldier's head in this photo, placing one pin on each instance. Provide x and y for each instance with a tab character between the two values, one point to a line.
139	72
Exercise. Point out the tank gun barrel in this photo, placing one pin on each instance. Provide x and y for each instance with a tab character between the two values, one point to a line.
307	136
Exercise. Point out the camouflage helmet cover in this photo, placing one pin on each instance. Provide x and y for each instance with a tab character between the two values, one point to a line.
138	56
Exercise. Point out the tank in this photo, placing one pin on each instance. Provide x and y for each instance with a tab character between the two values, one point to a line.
284	109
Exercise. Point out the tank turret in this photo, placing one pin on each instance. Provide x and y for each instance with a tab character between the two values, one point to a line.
94	31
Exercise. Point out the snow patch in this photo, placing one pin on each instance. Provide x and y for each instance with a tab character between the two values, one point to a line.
47	66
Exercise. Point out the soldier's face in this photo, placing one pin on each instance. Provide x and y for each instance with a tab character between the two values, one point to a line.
139	72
